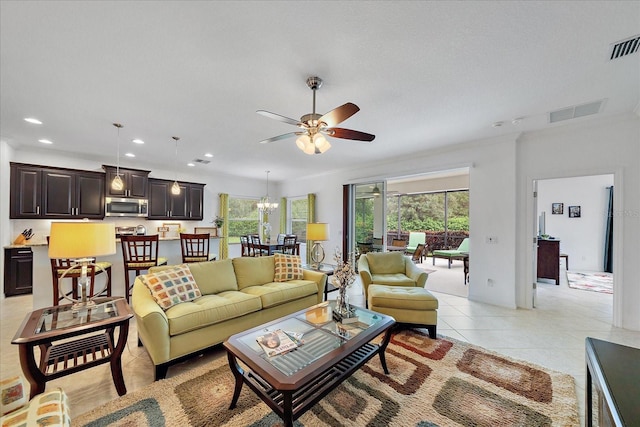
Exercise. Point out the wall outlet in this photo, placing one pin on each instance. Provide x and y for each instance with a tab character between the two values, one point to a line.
490	283
492	239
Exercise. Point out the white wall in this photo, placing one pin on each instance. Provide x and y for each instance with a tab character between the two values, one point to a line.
583	238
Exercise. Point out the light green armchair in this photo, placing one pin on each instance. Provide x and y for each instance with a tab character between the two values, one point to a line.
415	239
391	269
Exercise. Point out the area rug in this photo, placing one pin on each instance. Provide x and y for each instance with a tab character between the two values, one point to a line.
597	282
441	382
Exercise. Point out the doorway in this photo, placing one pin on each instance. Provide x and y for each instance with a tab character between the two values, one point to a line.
575	212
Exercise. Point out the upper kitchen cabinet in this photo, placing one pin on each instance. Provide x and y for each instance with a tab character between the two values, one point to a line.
42	192
136	182
187	205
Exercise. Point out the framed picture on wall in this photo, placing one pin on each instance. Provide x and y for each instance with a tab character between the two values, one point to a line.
557	208
574	211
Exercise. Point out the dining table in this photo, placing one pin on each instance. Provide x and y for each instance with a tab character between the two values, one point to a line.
273	245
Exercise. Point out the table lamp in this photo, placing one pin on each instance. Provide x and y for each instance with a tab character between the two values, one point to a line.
81	241
317	232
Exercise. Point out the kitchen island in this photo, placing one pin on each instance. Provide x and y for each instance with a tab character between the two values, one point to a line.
169	247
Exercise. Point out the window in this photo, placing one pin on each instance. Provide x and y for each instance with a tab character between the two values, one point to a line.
243	218
299	213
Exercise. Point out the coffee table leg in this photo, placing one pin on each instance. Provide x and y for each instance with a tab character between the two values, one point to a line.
287	416
383	347
238	373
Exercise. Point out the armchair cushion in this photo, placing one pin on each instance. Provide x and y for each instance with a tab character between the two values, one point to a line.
391	269
386	262
46	409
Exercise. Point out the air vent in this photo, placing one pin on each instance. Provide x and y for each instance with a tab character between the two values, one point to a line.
202	161
624	47
575	111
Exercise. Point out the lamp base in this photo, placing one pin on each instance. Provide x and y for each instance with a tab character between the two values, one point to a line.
317	255
85	302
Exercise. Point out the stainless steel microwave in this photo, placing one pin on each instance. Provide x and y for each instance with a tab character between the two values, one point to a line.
126	207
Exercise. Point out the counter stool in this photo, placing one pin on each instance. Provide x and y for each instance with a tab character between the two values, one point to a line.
195	247
60	265
408	305
139	253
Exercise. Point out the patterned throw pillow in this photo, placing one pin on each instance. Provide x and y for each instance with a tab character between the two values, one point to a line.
172	286
13	394
288	267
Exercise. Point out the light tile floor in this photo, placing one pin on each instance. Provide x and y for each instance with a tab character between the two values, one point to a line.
552	335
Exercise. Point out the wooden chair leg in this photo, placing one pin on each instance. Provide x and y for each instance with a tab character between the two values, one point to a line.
126	284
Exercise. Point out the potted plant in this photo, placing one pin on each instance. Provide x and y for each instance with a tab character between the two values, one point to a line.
218	221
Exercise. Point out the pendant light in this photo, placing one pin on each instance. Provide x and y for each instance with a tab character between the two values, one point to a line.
265	205
175	188
117	183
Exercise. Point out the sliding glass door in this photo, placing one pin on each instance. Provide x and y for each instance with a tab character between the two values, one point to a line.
365	219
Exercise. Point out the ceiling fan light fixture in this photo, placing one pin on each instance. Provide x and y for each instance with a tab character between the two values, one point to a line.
320	143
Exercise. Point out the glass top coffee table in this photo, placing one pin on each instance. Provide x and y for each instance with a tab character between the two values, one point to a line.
326	354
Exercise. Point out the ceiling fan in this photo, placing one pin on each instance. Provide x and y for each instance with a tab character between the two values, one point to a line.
314	126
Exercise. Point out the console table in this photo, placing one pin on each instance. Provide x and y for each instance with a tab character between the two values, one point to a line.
549	259
613	370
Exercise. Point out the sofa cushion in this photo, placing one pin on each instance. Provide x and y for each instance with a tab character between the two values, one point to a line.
386	262
171	286
253	271
287	267
397	279
210	309
214	277
277	293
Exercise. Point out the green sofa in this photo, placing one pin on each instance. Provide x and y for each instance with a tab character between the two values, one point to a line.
391	269
237	294
451	254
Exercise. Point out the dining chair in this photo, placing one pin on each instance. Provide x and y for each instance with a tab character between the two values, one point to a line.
256	246
280	239
60	265
289	245
245	246
139	253
195	247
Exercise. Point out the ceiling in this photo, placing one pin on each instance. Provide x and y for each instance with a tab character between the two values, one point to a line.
424	74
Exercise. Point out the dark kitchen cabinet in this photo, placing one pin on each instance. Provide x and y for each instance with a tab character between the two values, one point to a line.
26	191
164	205
18	271
136	182
41	192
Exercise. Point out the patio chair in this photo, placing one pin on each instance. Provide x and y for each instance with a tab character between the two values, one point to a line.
451	254
415	239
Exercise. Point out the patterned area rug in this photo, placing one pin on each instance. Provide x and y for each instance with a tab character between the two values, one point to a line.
441	382
597	282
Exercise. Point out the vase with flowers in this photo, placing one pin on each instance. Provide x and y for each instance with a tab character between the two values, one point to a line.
344	275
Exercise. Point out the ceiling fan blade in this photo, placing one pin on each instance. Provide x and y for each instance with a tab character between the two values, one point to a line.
339	114
350	134
279	137
279	117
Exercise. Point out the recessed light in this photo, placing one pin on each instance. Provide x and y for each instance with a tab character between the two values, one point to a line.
516	121
32	120
130	155
190	164
208	155
497	124
137	141
45	141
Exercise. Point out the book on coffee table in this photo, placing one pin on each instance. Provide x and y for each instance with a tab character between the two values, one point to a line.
276	342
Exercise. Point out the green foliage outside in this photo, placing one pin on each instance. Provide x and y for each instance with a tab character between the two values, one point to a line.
243	218
426	212
299	218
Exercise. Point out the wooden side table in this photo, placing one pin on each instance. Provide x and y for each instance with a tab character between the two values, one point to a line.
52	329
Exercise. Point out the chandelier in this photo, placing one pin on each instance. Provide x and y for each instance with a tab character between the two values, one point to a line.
265	205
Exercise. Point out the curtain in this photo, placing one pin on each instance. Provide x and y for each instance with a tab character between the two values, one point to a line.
608	238
283	215
224	214
311	217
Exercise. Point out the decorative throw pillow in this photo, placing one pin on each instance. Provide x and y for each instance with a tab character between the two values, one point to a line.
172	286
287	267
13	394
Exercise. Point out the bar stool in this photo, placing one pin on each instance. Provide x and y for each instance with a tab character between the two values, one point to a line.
195	247
60	265
139	253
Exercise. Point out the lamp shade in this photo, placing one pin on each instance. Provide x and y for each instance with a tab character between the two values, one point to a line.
318	231
81	239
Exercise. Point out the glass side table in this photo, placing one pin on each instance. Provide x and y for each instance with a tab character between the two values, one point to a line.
53	330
